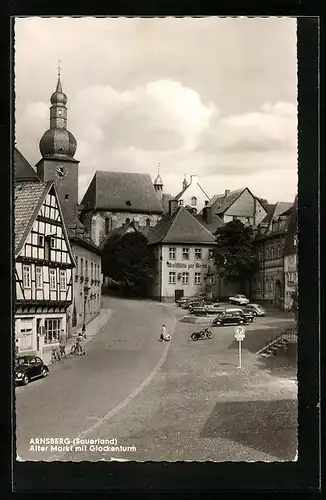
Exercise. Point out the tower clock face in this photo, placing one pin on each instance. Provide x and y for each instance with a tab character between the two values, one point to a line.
60	172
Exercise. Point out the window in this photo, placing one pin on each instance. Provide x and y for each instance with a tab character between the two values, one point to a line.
92	270
172	253
180	203
27	276
271	285
81	266
267	253
40	240
171	278
63	280
185	253
148	222
52	330
198	253
272	252
77	264
66	196
86	268
193	201
211	254
267	285
39	277
197	278
278	251
185	278
108	224
53	280
52	242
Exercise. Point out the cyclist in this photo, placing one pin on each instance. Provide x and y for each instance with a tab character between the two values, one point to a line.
79	344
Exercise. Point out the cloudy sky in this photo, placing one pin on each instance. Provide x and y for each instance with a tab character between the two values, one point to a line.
208	96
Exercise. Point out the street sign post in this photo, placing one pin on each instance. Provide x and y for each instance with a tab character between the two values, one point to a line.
239	336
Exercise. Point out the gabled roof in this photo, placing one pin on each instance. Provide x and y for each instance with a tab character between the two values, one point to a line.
278	210
122	192
212	226
178	196
23	170
290	248
180	227
220	203
29	198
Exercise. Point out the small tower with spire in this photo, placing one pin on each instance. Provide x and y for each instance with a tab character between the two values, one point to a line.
158	183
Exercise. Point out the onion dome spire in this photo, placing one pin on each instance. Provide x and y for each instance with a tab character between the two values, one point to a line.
58	141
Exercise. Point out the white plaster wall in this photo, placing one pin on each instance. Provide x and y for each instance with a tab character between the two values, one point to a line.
194	190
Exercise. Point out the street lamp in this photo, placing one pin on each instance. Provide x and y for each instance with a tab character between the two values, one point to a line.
86	290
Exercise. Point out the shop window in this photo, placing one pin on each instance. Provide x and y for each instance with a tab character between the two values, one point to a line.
52	330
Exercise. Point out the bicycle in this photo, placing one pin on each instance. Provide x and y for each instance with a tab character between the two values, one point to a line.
55	355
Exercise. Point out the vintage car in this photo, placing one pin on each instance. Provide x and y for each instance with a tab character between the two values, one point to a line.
207	309
256	309
239	300
196	303
29	367
230	317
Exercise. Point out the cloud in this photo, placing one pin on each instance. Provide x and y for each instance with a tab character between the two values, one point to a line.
144	91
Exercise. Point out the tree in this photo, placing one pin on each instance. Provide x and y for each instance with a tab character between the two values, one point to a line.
234	253
128	260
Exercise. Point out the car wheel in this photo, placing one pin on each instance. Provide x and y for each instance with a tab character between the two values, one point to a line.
44	373
25	380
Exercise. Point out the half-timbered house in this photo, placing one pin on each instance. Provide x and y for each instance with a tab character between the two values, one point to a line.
43	267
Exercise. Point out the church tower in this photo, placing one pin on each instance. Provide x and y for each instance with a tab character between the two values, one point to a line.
158	184
58	147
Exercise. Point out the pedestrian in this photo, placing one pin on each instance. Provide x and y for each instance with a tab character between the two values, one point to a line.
80	339
165	336
63	343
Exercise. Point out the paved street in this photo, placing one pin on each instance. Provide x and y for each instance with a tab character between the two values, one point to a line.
187	400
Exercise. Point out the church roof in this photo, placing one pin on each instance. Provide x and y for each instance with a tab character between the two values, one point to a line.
23	170
122	192
180	227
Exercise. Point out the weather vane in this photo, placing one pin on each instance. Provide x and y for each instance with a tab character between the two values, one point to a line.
158	167
59	68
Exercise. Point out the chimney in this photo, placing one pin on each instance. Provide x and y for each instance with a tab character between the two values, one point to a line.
207	213
227	192
206	202
193	179
173	206
184	183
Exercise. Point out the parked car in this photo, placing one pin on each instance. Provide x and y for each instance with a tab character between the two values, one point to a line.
181	301
29	367
229	317
256	309
207	308
197	303
239	300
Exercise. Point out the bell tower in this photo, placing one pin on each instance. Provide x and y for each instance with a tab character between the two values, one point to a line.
158	183
58	147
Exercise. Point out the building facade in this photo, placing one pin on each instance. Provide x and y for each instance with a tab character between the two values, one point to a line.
183	255
291	258
192	195
268	284
44	266
115	198
239	205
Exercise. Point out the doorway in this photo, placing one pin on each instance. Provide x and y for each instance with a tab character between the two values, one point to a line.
178	294
278	293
